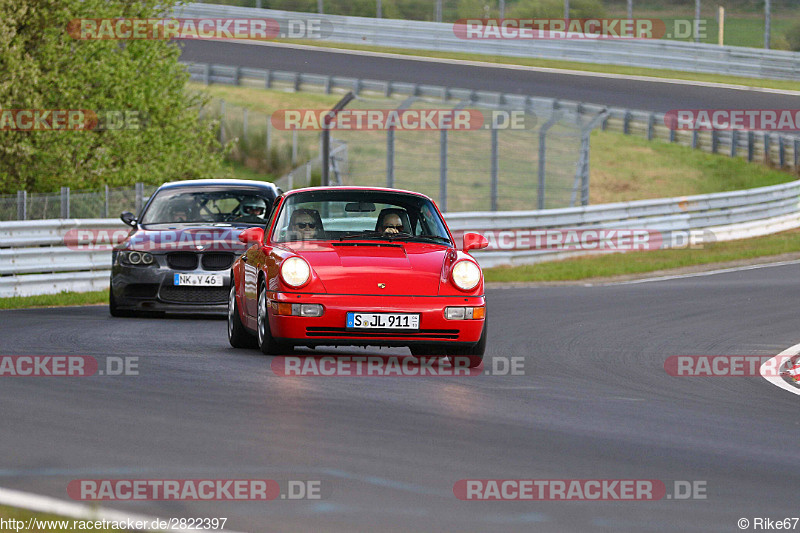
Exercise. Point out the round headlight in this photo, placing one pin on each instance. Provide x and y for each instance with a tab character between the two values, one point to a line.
147	259
466	275
134	258
295	271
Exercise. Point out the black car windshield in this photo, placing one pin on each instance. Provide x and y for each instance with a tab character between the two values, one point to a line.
351	215
185	205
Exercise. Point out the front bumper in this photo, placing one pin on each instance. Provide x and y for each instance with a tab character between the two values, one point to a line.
330	328
152	289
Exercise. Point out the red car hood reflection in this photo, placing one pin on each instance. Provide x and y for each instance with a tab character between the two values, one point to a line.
360	267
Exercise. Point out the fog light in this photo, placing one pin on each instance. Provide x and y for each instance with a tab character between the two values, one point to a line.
454	313
306	309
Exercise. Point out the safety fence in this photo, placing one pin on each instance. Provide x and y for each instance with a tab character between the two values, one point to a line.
48	256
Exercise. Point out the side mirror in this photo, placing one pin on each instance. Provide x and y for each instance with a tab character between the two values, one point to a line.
474	241
128	218
251	235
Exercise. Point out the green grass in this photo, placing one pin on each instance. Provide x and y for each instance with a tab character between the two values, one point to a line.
568	65
55	300
24	515
618	264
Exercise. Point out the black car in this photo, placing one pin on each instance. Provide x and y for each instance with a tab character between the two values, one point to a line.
179	254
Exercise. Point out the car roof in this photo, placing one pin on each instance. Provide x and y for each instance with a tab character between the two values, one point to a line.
353	188
221	183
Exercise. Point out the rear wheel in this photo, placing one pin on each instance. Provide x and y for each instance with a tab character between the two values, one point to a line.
238	336
267	344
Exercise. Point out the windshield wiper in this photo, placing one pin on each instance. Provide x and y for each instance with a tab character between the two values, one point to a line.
367	234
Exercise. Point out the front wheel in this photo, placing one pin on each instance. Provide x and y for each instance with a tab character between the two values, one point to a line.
238	336
267	344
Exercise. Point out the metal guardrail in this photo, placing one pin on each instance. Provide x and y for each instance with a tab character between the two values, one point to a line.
418	35
34	257
781	150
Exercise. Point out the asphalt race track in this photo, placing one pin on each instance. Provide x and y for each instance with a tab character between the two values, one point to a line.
655	95
594	403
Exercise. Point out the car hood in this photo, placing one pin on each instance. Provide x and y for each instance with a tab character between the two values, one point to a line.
360	267
193	238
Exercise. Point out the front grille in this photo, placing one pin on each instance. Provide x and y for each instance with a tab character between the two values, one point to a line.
194	295
217	261
444	334
182	260
141	290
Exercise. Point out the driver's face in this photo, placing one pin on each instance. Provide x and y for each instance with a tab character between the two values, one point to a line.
254	210
392	224
305	227
180	216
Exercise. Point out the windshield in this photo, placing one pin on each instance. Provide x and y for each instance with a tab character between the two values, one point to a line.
348	214
207	205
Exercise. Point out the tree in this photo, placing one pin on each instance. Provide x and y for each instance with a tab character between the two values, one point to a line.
42	67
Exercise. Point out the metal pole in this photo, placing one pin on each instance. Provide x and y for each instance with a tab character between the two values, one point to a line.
244	126
319	7
542	158
630	9
502	9
222	122
767	23
64	202
106	201
696	21
326	136
390	158
379	9
721	32
21	197
566	9
139	197
294	147
438	10
269	134
258	4
495	169
443	170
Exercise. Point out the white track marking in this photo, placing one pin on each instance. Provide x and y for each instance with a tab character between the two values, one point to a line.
45	504
651	79
777	362
704	273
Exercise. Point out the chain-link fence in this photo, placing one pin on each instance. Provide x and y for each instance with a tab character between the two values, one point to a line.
109	202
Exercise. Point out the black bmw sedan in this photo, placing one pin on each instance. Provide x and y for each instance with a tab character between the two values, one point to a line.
177	257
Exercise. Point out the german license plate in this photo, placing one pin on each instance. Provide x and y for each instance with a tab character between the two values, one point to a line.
382	320
198	280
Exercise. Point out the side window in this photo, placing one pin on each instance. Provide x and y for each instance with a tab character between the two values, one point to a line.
272	215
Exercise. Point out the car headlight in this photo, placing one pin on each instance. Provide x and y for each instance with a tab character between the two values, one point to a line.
466	275
295	272
136	258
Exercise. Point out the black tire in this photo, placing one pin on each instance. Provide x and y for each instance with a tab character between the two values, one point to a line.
267	344
238	335
114	310
473	354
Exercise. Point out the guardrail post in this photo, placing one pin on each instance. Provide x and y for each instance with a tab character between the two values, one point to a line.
626	125
357	86
139	197
390	157
751	148
207	74
297	81
495	169
734	142
672	135
695	138
237	75
22	205
714	140
604	124
781	152
387	89
327	85
106	200
651	122
64	202
267	79
269	134
767	149
796	154
443	170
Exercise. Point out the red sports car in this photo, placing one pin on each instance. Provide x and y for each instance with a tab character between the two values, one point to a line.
358	266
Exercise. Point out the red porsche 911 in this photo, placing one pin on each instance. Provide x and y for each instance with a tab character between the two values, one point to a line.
358	266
